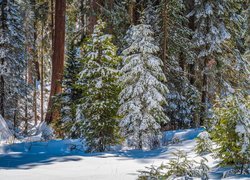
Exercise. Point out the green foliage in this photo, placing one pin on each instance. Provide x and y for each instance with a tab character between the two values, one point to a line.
179	166
204	144
98	83
231	131
68	126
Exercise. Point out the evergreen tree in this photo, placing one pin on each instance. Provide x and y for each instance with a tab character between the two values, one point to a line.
218	28
178	167
69	126
143	96
232	131
12	61
183	97
204	144
98	82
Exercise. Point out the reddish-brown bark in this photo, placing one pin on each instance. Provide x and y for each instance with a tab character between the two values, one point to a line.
58	58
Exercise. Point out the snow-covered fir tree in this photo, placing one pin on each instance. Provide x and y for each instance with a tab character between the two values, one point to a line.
152	17
183	98
218	55
100	89
232	130
12	62
204	143
68	125
144	93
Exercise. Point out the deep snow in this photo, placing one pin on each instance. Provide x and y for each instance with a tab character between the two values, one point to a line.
54	160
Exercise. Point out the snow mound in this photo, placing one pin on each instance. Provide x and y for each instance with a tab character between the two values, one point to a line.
5	133
181	135
45	131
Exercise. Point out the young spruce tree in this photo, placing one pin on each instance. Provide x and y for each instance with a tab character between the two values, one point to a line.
143	96
232	131
99	84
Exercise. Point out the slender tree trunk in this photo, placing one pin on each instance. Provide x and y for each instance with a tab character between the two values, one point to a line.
58	59
95	10
2	85
191	25
204	93
42	75
135	6
2	61
165	36
131	10
52	25
204	90
35	63
27	79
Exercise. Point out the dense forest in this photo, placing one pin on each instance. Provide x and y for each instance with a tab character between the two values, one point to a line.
125	71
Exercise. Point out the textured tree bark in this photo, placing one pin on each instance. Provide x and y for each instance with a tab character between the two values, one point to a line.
95	9
42	75
2	61
58	59
134	7
204	93
131	10
36	64
2	96
165	37
191	25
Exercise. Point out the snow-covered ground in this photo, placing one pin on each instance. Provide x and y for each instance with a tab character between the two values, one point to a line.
53	160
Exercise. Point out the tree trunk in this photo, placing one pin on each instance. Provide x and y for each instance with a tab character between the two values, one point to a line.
165	37
204	94
35	63
95	6
191	25
2	61
2	96
58	59
131	10
42	79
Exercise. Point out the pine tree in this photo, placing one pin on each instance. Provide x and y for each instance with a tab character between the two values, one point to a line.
175	40
204	144
68	126
98	82
12	62
232	131
219	60
178	167
143	96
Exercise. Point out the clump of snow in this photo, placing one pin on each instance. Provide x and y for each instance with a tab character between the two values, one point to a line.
5	133
45	131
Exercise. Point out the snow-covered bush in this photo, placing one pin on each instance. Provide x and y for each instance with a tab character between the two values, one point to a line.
178	167
204	144
99	85
232	131
143	96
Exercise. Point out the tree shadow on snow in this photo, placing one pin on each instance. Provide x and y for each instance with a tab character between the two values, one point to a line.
30	155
